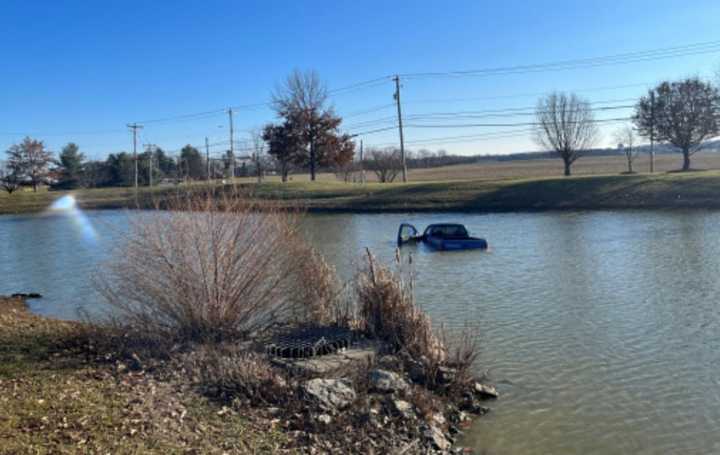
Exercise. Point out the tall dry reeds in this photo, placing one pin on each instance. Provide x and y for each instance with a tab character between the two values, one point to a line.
388	311
213	265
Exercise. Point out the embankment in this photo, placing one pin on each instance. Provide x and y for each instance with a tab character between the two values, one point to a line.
692	190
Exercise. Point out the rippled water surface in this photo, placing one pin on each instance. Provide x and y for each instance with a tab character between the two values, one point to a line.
600	329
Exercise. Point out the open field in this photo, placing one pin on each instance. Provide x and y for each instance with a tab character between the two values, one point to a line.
553	167
493	169
496	186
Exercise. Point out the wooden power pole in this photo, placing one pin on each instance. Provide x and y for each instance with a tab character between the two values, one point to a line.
150	149
652	131
232	145
400	127
134	127
207	157
362	163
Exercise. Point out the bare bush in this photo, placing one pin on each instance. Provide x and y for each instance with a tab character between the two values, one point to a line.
227	372
209	267
386	164
626	139
463	352
320	297
388	312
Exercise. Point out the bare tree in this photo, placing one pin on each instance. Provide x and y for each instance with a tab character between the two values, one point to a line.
301	91
565	124
29	160
386	164
626	140
302	101
683	113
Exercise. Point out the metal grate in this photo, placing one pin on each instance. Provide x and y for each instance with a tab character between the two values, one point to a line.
310	342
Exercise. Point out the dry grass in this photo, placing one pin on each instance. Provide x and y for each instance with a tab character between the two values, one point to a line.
486	186
211	266
53	399
229	372
388	312
523	169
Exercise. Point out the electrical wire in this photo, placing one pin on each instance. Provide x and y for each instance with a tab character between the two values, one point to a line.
617	59
503	125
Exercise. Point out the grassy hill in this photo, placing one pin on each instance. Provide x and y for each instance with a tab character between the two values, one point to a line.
638	191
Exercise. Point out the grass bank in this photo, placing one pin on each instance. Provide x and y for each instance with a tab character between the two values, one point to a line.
55	400
638	191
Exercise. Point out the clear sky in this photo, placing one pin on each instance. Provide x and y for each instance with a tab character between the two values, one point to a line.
80	71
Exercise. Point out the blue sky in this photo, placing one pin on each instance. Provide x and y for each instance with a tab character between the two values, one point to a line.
80	71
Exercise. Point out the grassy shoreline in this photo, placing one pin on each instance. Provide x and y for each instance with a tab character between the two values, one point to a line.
692	190
56	400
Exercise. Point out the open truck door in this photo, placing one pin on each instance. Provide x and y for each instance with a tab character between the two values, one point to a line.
407	233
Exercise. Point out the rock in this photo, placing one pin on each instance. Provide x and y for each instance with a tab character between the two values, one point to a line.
330	394
403	408
386	381
438	419
485	391
416	371
472	406
459	416
274	411
437	438
31	295
447	375
388	361
324	418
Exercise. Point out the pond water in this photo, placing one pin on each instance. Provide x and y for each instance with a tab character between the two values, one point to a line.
600	329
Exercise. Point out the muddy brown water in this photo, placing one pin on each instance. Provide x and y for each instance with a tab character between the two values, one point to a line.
601	330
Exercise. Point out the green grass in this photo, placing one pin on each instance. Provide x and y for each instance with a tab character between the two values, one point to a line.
637	191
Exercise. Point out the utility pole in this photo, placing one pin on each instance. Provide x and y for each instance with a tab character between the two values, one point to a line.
207	157
400	127
232	144
134	127
150	148
362	163
652	131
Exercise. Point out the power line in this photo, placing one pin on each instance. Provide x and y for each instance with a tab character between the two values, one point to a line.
369	111
364	133
367	123
503	125
617	59
526	95
509	113
70	133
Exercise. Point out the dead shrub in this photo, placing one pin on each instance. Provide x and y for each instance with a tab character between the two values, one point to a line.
320	298
388	312
228	372
211	266
463	352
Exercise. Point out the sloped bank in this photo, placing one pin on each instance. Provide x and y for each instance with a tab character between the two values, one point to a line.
70	387
691	190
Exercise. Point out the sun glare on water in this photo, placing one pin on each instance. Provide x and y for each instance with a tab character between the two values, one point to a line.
67	205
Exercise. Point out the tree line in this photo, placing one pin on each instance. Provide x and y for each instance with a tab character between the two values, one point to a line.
683	114
30	163
307	135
